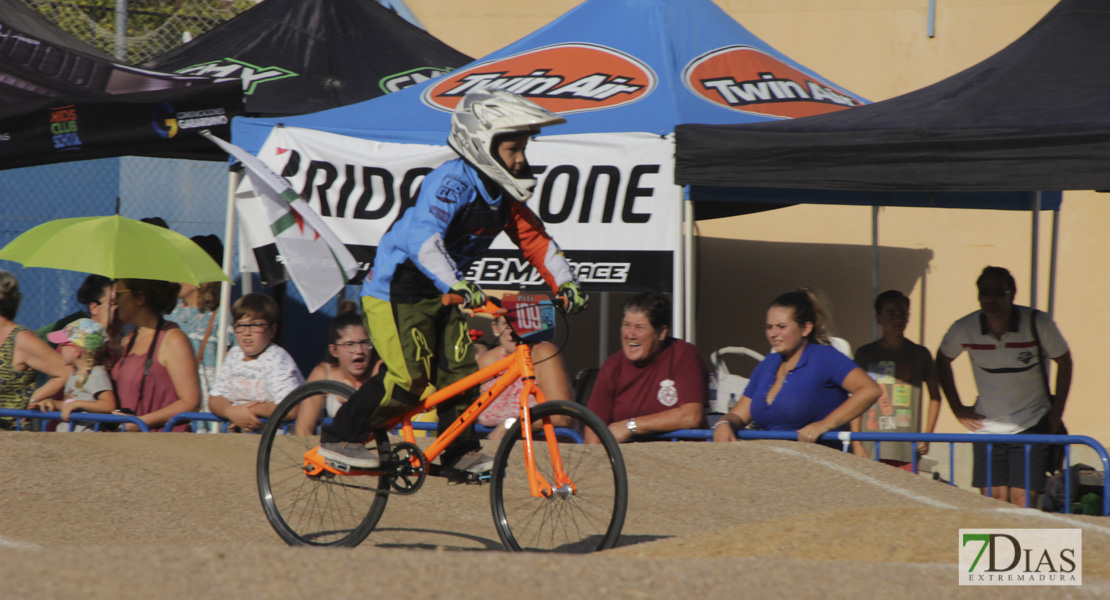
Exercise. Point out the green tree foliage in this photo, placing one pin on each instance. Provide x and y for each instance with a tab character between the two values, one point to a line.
154	27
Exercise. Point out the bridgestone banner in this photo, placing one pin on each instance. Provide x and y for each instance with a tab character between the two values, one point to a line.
608	199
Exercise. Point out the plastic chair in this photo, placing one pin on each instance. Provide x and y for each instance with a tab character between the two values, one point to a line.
730	386
584	384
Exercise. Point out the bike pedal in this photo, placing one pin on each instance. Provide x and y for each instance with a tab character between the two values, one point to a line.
338	466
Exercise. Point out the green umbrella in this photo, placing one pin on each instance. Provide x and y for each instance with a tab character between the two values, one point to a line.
115	247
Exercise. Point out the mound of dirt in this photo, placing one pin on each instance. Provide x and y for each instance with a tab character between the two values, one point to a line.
178	515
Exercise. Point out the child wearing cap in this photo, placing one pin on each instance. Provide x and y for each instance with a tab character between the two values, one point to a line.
83	345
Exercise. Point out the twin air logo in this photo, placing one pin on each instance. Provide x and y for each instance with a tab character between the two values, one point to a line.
252	75
563	78
749	80
1021	557
405	79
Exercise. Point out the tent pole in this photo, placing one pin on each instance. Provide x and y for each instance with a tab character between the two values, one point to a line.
121	31
1052	263
603	328
874	265
1036	209
684	300
235	174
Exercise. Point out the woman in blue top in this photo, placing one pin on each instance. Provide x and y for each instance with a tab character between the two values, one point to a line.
805	385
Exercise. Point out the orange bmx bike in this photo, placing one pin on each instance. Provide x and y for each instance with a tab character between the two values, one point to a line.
548	490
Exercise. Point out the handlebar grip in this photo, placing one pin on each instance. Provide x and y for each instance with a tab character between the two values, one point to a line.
451	299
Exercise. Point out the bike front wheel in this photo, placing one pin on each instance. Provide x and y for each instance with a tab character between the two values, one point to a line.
584	516
325	509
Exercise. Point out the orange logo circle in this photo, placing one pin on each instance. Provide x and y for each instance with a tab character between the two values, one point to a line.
748	80
563	78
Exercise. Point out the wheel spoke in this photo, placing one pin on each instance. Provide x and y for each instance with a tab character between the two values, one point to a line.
587	520
322	510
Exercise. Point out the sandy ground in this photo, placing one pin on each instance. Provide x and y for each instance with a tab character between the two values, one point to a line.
178	516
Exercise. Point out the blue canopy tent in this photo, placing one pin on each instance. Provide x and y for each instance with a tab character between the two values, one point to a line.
610	66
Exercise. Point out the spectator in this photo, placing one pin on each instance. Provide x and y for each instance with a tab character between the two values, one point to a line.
351	359
805	385
900	367
656	383
1008	346
22	354
257	374
83	345
551	377
156	221
480	343
156	378
95	294
195	314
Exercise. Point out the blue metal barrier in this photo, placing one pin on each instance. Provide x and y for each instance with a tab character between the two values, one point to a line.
42	418
483	430
950	438
189	417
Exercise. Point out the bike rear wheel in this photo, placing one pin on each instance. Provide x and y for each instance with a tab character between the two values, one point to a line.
585	519
315	510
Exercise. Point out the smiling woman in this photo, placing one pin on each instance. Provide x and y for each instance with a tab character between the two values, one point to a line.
805	385
656	383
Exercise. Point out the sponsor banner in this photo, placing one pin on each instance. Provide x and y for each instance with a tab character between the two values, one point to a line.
749	80
596	270
251	75
1021	557
595	192
563	78
409	78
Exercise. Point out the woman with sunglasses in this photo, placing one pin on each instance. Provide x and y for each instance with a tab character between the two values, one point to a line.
350	359
156	378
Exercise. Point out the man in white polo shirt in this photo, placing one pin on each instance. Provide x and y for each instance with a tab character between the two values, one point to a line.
1011	372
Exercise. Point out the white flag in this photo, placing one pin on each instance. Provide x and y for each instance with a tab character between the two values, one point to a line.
317	262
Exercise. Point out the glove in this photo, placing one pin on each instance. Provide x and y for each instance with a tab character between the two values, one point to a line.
576	299
473	296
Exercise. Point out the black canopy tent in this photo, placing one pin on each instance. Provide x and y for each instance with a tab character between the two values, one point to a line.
1031	118
303	56
61	100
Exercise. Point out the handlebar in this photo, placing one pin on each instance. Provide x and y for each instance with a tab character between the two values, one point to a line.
490	308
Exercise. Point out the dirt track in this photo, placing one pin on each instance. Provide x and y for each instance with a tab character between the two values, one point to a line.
124	515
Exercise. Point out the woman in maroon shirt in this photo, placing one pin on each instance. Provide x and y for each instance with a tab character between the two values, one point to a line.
656	383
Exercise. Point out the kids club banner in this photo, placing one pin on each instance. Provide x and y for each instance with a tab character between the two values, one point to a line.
608	199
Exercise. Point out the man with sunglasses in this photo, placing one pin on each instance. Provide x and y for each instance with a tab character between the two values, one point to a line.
1009	347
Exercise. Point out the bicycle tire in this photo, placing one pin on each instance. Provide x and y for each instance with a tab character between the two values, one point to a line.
587	520
315	511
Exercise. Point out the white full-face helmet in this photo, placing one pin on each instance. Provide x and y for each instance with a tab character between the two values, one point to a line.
481	117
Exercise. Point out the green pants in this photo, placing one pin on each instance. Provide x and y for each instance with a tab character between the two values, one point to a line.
421	343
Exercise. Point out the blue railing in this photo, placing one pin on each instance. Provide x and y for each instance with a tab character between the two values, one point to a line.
42	418
950	438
